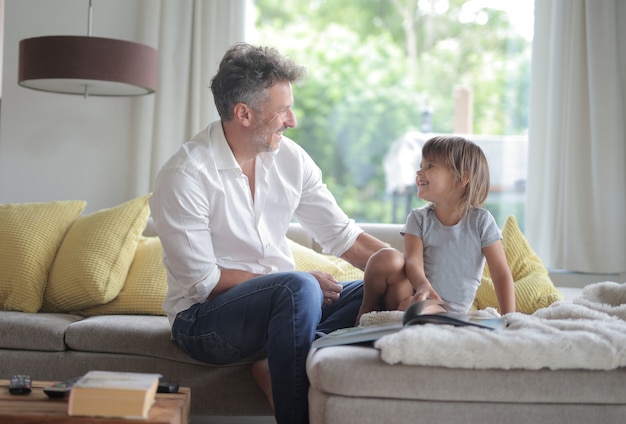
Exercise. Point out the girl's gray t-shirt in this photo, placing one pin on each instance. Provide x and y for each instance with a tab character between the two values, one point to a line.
453	256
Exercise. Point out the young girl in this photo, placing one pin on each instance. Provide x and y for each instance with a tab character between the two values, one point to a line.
447	241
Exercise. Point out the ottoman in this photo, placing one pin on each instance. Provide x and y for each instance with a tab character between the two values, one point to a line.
351	384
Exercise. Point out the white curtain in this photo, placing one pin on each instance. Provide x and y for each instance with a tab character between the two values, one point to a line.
191	37
576	203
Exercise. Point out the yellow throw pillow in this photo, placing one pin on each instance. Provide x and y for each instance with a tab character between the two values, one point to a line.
95	256
533	287
146	284
30	234
309	260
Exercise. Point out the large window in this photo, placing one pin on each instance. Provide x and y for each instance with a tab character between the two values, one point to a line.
385	75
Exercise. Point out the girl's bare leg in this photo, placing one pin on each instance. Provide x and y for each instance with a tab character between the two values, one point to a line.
384	276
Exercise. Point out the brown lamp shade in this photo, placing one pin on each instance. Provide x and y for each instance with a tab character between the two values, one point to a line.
90	66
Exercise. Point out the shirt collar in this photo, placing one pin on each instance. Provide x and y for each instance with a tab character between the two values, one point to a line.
224	158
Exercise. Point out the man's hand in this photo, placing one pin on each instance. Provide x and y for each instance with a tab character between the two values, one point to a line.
330	287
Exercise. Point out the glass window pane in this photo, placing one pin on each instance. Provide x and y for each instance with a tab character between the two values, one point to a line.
385	75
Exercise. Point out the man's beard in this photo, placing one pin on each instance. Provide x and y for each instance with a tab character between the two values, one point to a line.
262	139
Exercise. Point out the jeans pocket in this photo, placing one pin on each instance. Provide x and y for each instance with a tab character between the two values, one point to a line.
210	347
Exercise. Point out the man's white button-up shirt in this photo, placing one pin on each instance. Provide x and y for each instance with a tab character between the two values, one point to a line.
207	219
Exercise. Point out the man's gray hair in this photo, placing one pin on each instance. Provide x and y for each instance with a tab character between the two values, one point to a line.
246	72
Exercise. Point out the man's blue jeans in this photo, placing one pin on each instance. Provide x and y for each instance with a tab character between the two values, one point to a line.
276	314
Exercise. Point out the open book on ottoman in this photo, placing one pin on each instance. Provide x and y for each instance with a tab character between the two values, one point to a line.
423	312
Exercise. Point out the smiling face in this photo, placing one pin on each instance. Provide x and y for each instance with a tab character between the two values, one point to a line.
273	118
436	183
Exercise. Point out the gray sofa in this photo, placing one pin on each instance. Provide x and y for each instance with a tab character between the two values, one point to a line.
58	346
348	384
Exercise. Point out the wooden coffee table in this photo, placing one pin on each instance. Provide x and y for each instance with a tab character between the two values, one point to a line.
36	407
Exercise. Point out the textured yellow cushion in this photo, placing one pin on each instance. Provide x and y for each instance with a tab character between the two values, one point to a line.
533	287
145	287
309	260
95	256
30	234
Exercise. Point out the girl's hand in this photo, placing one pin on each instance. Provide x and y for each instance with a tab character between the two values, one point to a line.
425	291
330	287
501	276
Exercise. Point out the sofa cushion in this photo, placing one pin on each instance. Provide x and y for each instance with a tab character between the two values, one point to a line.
40	332
30	234
146	284
533	287
307	259
126	334
95	256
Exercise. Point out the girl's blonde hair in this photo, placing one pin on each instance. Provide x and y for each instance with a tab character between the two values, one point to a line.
465	159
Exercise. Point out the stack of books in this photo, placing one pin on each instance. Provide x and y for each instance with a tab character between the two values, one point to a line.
113	394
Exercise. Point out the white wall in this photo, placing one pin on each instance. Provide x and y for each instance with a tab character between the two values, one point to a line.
58	146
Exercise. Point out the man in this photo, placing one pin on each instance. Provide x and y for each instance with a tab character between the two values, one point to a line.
222	206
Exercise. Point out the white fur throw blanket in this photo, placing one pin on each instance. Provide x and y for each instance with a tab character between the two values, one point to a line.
586	333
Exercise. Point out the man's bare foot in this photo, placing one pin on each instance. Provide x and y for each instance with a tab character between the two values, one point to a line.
261	374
